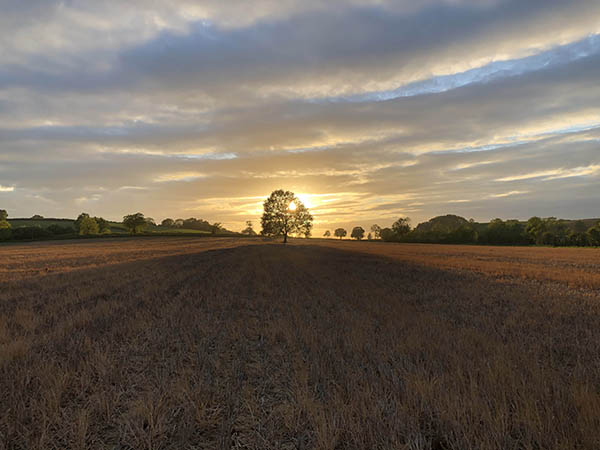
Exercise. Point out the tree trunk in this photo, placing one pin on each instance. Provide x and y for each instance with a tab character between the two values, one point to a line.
285	238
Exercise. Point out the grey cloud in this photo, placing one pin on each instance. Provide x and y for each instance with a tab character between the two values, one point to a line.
79	125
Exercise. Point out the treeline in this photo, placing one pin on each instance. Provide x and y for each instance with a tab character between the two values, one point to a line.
83	225
193	224
89	226
451	229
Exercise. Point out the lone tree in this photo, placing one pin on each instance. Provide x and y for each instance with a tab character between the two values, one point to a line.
327	234
285	214
340	232
3	214
376	230
358	233
134	222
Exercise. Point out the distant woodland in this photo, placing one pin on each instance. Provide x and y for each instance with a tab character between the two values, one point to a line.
452	229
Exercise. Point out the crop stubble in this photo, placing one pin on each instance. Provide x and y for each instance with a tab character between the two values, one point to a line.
225	343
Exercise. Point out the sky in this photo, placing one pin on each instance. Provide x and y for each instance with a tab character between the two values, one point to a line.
369	110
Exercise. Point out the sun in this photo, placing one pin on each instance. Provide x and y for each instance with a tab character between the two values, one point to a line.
305	199
292	206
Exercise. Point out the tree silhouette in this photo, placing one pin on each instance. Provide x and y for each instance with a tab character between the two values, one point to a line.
327	234
249	230
401	226
285	214
215	228
340	232
357	233
376	230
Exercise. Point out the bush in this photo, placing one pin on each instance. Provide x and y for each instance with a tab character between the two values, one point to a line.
59	230
25	233
5	234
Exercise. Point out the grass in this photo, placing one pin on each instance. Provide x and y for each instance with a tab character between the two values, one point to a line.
230	343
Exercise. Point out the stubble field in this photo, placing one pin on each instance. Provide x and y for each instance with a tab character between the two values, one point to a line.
183	343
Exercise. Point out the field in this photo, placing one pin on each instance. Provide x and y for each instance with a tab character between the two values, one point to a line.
202	343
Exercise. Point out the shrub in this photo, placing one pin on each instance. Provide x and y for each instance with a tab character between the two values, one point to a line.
60	230
25	233
5	231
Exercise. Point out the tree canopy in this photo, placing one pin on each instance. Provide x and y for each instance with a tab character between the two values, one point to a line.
357	233
376	230
284	214
88	226
401	226
340	232
249	230
135	223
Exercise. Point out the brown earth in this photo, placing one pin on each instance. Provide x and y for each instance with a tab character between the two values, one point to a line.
186	343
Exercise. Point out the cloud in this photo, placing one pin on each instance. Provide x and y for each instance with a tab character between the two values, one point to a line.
370	109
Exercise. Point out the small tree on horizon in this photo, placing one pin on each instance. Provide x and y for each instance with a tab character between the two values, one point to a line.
401	226
249	230
3	214
77	223
594	235
358	233
135	223
327	234
88	226
376	230
285	214
340	232
103	225
215	228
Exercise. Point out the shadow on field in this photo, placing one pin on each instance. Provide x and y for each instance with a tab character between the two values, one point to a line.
295	346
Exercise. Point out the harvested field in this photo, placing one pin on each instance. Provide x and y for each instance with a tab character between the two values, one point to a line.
183	343
574	267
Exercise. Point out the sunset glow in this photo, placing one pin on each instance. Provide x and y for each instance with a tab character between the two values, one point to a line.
117	107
